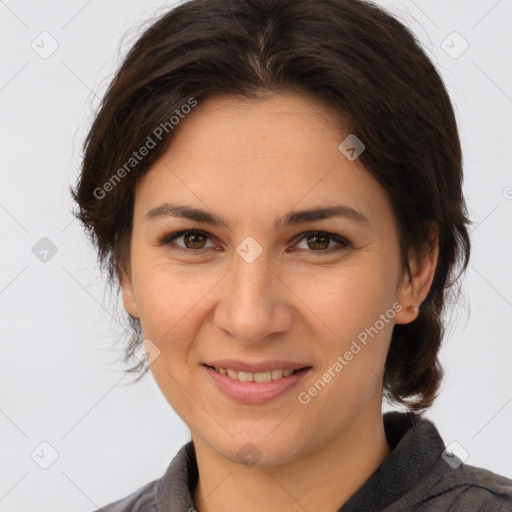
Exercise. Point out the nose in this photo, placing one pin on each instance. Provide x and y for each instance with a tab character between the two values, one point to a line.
254	302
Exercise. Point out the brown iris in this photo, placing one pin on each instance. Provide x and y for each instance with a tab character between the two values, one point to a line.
194	237
317	239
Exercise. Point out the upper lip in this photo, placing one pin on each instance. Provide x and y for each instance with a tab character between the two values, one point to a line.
263	366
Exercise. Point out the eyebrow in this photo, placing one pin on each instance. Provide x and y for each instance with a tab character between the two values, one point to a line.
291	218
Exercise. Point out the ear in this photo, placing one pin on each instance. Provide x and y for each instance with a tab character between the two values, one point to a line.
413	293
130	304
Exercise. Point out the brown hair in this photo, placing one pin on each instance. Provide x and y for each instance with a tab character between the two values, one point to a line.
349	54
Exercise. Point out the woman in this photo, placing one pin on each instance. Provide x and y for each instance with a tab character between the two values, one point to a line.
276	185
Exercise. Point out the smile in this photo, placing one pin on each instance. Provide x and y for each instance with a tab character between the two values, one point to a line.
260	387
254	377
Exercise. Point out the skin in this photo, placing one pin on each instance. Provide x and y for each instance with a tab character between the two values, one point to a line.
250	162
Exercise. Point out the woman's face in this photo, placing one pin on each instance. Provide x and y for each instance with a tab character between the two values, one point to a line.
259	288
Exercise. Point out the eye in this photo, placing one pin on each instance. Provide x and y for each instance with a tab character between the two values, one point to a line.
193	240
319	241
196	241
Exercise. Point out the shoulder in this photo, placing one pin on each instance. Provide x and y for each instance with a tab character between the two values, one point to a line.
426	477
142	500
171	492
468	488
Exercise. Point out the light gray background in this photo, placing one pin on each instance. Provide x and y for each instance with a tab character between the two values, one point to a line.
60	382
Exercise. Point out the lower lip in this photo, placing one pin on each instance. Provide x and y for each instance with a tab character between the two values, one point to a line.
255	392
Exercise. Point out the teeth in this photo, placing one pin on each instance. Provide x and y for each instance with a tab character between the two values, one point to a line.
255	377
263	377
233	374
277	374
246	376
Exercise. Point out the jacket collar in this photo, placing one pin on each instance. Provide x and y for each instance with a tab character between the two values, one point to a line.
415	443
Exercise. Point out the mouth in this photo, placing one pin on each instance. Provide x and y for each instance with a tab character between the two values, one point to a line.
267	376
256	387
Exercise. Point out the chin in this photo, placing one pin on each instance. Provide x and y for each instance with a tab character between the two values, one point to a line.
258	449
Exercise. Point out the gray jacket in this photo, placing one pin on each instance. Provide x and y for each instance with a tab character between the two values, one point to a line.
418	475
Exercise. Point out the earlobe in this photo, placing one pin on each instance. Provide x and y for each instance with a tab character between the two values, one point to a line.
130	304
413	293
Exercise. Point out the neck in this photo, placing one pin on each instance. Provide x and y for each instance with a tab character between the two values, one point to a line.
319	482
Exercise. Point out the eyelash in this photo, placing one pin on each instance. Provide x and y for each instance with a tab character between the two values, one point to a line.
168	239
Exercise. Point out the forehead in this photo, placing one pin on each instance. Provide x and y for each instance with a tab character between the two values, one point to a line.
252	157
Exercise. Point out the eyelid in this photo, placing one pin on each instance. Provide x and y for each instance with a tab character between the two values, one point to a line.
343	243
167	239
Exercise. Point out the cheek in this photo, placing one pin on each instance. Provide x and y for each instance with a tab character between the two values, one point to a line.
170	309
171	306
356	306
168	296
349	298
